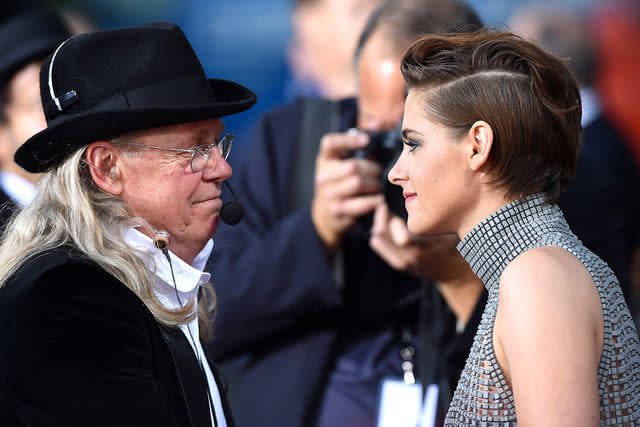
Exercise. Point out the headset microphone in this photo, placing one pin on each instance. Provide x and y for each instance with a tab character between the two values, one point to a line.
231	212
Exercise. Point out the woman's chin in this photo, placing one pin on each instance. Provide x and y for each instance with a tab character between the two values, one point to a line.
417	228
422	228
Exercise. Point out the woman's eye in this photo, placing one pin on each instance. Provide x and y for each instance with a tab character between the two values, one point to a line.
411	144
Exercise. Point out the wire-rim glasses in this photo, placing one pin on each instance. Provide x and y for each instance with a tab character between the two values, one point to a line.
200	154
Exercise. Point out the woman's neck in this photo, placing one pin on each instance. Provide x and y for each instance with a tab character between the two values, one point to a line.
486	203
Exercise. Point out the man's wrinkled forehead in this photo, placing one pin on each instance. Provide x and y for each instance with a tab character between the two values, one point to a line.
183	135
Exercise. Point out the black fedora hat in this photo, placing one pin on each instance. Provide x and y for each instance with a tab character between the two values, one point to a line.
27	37
103	84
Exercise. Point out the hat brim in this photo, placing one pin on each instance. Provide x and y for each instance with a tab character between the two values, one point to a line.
52	145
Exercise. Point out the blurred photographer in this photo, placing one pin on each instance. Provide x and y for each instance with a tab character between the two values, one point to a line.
311	319
324	34
25	40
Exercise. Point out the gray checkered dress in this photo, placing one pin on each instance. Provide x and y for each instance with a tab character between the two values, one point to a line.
483	397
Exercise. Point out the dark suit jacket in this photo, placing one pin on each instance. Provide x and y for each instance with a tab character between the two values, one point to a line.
280	310
605	144
80	349
601	203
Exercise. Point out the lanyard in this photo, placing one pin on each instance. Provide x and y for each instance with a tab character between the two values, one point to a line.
407	354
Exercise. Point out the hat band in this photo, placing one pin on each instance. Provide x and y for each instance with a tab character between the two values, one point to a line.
192	90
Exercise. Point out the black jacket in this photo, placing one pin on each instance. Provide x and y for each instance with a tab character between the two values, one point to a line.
79	348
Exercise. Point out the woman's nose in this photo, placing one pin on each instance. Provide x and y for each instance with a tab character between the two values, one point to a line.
396	175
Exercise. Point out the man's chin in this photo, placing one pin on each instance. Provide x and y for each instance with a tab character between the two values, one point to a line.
214	224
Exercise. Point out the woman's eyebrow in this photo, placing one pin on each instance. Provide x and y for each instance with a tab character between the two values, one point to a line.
407	131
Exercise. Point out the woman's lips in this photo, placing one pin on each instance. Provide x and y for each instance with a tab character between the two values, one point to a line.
408	197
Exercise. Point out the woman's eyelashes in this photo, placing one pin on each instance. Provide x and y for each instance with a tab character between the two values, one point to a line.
412	144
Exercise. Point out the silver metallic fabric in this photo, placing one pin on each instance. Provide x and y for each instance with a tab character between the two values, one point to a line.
483	397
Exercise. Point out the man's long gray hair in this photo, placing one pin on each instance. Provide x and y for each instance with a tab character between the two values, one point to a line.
69	209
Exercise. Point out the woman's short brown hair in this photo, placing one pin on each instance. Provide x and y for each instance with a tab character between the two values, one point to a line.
527	96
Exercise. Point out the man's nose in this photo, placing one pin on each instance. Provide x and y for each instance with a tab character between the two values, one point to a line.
217	168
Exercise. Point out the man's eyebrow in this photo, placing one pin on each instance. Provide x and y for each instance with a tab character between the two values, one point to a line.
203	135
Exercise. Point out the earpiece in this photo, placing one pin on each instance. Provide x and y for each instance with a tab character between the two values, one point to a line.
160	238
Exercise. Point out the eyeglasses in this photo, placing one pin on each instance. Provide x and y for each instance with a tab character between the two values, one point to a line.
199	154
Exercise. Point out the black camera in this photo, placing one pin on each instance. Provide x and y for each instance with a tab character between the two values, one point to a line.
384	148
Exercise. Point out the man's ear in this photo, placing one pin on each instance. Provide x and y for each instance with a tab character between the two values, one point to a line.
102	159
479	140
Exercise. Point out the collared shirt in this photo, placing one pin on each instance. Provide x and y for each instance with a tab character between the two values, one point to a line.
188	279
17	188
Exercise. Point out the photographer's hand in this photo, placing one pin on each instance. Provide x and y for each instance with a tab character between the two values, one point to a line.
391	239
434	257
344	189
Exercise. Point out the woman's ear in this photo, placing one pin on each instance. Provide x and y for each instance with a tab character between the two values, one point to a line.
480	141
102	159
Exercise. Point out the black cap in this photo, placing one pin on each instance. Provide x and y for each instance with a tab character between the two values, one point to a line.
28	37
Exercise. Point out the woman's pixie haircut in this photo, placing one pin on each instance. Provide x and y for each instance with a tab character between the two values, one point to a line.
527	96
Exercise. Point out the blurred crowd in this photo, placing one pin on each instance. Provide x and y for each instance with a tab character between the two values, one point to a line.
316	309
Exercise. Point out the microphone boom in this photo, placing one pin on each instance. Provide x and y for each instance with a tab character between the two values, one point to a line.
231	212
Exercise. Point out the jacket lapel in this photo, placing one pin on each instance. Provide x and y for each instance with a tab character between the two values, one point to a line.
190	377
